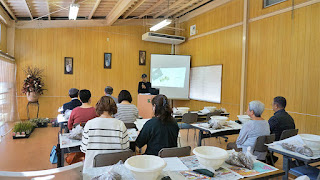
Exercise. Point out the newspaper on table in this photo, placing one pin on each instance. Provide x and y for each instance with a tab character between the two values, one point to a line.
226	171
66	142
192	163
295	140
230	125
258	168
132	133
140	123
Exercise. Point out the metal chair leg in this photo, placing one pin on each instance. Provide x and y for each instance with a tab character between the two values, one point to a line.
188	136
270	154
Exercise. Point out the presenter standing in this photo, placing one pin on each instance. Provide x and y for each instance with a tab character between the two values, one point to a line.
144	85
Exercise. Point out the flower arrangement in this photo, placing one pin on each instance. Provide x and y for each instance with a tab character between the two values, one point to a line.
33	82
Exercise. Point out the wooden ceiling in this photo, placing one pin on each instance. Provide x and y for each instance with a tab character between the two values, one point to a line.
99	9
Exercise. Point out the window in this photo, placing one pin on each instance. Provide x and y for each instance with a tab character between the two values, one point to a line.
7	91
267	3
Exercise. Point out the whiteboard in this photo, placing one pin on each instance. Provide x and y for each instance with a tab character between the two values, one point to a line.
205	83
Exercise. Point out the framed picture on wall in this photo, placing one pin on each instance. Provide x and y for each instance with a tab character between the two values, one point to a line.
142	57
68	65
107	61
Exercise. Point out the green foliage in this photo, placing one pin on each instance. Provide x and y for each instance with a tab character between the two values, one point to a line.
24	126
41	121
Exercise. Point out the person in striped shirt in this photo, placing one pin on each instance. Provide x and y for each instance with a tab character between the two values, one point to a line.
103	134
127	112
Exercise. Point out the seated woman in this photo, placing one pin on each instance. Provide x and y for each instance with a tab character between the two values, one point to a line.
161	131
251	130
103	134
83	113
127	112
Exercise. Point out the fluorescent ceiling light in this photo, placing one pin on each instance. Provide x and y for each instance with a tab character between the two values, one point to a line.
73	11
161	25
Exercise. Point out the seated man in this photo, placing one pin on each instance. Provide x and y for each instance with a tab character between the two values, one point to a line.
73	93
281	120
251	130
108	91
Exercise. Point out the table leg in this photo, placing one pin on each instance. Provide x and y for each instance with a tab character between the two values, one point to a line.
28	110
58	150
200	137
62	157
61	126
286	167
38	109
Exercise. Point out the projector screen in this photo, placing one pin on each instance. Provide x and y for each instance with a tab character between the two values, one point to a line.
170	73
205	83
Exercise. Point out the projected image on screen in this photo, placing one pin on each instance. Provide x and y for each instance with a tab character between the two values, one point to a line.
168	77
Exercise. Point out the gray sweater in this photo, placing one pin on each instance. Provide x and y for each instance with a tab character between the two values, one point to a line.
128	113
249	133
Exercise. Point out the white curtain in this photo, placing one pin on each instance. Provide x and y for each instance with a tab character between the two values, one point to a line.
8	104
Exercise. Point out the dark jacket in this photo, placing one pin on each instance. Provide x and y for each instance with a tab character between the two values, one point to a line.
148	86
71	105
279	122
158	135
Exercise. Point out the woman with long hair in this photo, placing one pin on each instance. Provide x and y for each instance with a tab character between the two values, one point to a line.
162	130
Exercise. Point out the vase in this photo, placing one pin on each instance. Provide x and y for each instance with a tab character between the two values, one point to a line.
32	96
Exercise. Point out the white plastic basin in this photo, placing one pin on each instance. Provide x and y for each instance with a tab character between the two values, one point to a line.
145	166
244	118
312	141
211	157
210	108
220	119
183	110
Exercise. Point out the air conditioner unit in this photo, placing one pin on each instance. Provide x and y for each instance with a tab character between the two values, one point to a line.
163	38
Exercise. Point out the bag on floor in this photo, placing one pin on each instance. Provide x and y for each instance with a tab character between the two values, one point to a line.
75	157
53	155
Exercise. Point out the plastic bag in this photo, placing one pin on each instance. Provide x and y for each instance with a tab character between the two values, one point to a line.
304	150
234	159
248	159
67	114
242	159
117	172
215	124
76	133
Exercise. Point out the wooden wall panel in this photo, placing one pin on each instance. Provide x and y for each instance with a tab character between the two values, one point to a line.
223	47
283	58
3	42
222	16
284	61
256	7
46	48
219	48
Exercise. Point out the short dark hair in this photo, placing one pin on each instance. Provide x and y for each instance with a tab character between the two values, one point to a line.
280	101
162	108
108	90
106	103
144	76
124	95
85	95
